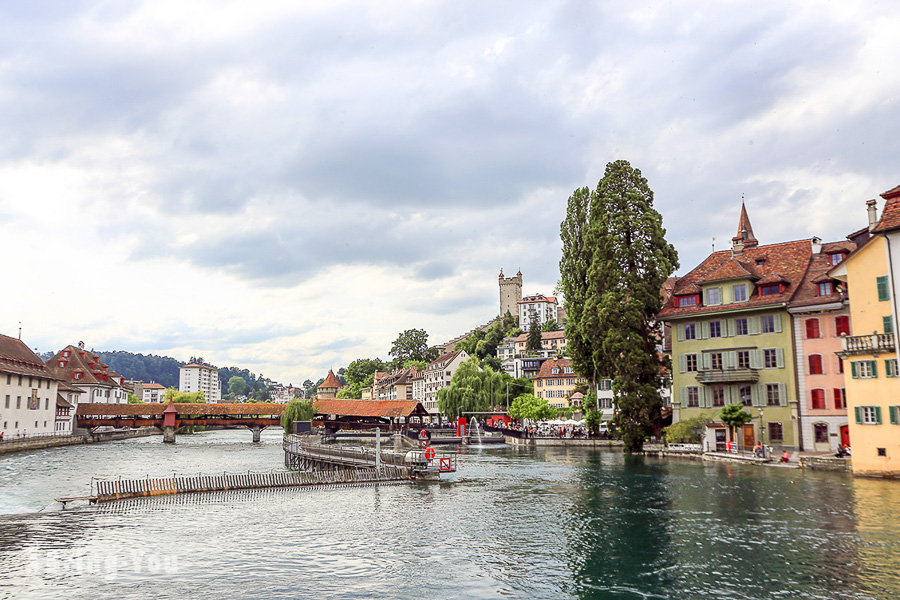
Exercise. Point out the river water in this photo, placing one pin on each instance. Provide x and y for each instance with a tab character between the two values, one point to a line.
512	523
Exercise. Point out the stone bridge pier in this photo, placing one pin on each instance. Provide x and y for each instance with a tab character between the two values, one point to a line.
256	429
169	434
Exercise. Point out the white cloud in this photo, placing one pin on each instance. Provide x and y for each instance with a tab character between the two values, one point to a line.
287	186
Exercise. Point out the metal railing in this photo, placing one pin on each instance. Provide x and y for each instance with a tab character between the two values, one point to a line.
19	437
362	456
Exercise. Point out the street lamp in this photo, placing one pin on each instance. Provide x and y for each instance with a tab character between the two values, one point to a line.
762	432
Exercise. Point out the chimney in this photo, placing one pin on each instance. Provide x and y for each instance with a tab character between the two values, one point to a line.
816	245
871	207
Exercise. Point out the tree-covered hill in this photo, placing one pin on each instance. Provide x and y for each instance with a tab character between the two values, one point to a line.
161	369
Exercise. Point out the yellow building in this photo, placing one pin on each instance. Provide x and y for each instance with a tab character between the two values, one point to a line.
870	359
556	382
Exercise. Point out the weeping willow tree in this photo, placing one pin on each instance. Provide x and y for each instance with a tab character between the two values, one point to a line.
472	389
296	410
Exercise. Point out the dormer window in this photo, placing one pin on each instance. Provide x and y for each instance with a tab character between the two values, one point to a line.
739	292
691	300
555	371
713	296
836	258
77	375
771	289
65	354
62	364
825	288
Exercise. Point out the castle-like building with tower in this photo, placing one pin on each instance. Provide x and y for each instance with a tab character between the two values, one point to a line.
510	294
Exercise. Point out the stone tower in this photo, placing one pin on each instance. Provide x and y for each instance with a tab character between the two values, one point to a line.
510	293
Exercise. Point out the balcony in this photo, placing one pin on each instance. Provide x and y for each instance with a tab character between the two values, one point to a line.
867	344
736	375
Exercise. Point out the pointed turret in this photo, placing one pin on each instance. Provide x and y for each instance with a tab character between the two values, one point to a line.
744	237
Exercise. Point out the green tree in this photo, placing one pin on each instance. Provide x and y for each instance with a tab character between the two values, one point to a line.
362	368
592	419
533	341
412	344
614	264
237	386
734	416
185	397
687	431
528	406
296	410
132	399
509	321
471	389
550	325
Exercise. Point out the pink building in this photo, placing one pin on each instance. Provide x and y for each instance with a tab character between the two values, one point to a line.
821	316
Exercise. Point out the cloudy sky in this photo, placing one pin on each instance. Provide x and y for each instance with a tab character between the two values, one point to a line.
285	186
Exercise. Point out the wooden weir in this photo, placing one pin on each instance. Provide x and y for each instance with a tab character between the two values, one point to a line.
139	488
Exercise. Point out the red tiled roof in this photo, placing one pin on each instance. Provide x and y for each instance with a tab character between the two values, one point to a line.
153	386
93	370
891	193
443	358
807	293
18	359
787	260
368	408
331	382
733	269
549	365
537	298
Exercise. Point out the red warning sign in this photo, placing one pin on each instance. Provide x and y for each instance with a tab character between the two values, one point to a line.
445	464
429	453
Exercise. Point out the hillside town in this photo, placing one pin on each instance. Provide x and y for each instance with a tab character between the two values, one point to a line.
780	328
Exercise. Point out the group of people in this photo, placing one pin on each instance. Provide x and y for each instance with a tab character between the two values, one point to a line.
760	453
842	451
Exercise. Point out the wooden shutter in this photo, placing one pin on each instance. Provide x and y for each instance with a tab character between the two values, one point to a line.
760	398
756	359
888	368
782	394
681	332
882	287
893	411
705	361
887	324
857	410
777	319
729	360
874	365
682	363
684	397
779	358
754	327
877	415
853	371
703	330
729	326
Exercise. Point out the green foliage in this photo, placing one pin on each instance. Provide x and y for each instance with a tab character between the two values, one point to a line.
185	397
509	321
687	431
296	410
528	406
615	260
592	419
491	362
533	341
237	386
161	369
412	344
734	415
132	399
472	389
550	325
421	364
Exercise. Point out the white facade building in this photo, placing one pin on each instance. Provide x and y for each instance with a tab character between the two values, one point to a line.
83	369
200	378
544	307
438	375
28	391
153	392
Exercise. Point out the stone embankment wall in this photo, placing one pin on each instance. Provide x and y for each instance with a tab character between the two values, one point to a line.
826	463
22	445
514	441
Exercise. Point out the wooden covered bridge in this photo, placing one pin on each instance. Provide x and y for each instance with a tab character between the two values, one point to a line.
171	417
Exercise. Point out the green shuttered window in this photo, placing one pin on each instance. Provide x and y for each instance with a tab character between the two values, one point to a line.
882	287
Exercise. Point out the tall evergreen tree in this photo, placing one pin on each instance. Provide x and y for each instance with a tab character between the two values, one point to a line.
620	259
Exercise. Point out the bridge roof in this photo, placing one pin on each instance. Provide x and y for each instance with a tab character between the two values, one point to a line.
369	408
157	409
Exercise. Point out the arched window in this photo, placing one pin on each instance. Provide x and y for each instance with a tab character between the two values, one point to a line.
821	432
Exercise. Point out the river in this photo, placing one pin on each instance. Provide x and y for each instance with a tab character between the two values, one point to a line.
511	523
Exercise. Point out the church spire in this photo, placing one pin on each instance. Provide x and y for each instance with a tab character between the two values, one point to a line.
744	237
